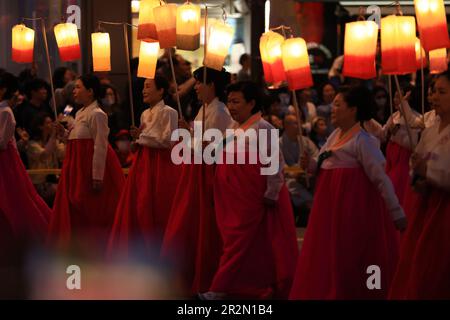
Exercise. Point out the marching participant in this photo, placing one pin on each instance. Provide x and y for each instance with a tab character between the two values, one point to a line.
349	229
91	179
144	207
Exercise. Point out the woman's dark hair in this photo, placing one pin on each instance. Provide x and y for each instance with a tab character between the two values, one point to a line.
220	79
361	98
36	124
114	89
161	82
250	91
92	82
35	85
322	87
10	83
243	58
58	77
445	74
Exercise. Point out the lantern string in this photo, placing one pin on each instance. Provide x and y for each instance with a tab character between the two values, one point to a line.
361	16
398	9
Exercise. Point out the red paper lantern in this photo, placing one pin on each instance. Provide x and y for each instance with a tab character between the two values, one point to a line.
296	64
22	44
270	47
66	35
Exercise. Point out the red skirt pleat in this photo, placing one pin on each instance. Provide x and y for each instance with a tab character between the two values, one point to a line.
348	231
144	207
423	271
260	246
397	168
192	244
81	215
23	214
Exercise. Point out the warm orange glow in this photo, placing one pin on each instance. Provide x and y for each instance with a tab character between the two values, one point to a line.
22	44
432	22
296	63
438	61
398	44
147	27
360	48
66	35
270	46
418	55
148	57
188	27
101	51
166	25
219	42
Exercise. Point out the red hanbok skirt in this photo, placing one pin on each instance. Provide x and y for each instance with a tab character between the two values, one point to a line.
192	243
79	213
349	230
23	214
144	207
260	245
397	168
423	271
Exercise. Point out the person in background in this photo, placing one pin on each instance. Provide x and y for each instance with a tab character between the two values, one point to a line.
301	195
45	151
319	133
327	94
382	104
61	77
245	73
111	105
123	148
307	109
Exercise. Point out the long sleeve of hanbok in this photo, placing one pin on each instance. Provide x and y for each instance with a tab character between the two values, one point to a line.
373	162
7	127
100	131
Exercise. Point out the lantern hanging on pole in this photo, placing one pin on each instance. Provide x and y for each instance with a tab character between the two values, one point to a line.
148	57
147	27
438	61
420	55
432	22
22	44
360	47
296	64
219	42
264	58
188	27
101	51
398	45
66	35
274	56
166	25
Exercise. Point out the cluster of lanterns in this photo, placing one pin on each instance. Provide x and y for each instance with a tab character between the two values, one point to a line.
285	60
161	26
401	51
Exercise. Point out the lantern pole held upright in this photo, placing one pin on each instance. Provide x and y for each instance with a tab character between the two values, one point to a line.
130	86
177	94
402	111
50	75
204	68
422	76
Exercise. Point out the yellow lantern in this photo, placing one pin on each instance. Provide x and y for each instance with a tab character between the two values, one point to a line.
296	63
264	58
188	27
219	42
101	51
166	25
273	55
66	35
148	57
419	55
438	61
360	47
398	44
147	27
432	22
22	44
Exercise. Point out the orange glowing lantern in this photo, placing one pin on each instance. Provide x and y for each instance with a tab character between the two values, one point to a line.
219	42
274	57
101	51
22	44
432	22
188	27
419	55
296	63
360	48
438	61
147	27
148	57
166	25
66	35
398	44
264	58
